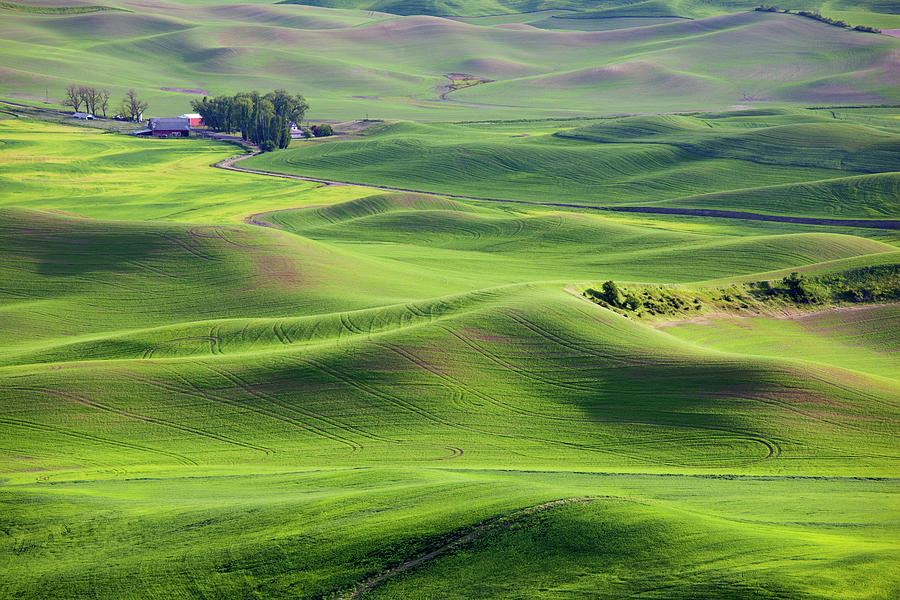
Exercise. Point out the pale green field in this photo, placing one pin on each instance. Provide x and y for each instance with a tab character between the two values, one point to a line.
309	533
224	385
814	163
191	406
350	62
858	338
88	172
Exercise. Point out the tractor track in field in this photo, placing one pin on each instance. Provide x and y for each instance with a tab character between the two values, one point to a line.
254	219
147	419
149	352
494	358
408	406
396	401
462	387
191	389
454	453
466	536
773	449
96	439
321	430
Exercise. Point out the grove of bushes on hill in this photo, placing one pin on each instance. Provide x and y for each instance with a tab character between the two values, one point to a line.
879	283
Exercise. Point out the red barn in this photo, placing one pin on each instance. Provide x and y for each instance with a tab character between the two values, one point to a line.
170	127
195	119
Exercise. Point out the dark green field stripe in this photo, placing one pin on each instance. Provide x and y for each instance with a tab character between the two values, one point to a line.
732	214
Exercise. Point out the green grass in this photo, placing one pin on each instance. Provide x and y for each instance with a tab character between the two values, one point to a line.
172	55
871	11
552	244
56	10
192	406
771	161
619	547
853	338
264	535
88	172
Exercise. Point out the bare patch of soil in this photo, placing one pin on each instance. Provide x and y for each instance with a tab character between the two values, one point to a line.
459	81
198	91
277	271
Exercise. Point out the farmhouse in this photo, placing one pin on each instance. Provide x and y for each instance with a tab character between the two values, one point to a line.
195	119
170	127
83	116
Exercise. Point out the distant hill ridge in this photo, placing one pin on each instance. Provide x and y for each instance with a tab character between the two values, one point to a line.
59	10
585	9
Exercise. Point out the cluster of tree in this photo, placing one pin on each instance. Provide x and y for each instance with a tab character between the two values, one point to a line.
323	130
97	99
132	107
867	284
91	98
611	294
262	119
818	17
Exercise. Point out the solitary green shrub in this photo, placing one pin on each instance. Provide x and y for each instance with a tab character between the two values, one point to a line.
612	293
323	130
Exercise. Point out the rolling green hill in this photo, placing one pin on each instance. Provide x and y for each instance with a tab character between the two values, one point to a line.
771	161
873	11
217	384
507	366
88	172
350	63
158	428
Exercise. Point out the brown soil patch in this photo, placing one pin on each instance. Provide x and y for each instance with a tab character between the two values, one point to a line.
459	81
198	91
276	271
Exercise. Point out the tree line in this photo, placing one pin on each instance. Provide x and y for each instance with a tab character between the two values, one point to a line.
91	98
264	120
815	15
94	99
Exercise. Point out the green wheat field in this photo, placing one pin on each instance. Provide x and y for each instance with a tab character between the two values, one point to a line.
407	378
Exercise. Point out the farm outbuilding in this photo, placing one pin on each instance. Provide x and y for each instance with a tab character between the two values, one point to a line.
195	119
170	127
